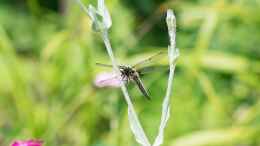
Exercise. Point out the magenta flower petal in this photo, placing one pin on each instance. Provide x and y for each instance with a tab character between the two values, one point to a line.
108	79
27	143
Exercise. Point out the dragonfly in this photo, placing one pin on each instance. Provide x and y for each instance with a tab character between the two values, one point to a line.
134	72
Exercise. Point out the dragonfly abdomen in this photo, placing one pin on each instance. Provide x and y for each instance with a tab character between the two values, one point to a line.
141	87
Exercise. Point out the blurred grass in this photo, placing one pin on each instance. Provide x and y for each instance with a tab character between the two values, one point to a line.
47	67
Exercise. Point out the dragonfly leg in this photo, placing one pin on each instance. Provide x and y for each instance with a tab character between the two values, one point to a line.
124	78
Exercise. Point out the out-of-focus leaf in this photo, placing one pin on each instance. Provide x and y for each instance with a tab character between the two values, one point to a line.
213	137
54	44
225	62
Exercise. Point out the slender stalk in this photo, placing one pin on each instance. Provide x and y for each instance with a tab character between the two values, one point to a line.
82	6
173	54
141	138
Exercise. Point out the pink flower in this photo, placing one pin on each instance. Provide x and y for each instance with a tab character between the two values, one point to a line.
27	143
108	79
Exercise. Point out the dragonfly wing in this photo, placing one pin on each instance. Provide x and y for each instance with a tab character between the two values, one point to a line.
149	60
153	68
104	65
108	65
141	87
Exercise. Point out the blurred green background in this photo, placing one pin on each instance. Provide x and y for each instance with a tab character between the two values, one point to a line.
47	67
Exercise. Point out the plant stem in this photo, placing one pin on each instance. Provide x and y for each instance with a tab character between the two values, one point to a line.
133	119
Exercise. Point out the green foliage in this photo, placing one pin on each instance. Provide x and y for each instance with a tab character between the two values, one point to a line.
47	68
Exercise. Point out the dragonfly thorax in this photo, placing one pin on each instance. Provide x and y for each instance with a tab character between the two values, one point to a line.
127	72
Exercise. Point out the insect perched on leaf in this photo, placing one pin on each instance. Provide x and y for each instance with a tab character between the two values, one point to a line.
133	73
